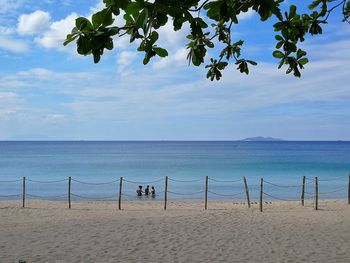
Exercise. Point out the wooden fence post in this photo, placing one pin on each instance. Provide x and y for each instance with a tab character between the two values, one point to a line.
69	191
24	192
120	193
246	190
206	193
316	193
303	191
349	191
261	194
166	192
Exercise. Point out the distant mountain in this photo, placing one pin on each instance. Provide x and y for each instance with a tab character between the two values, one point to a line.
261	139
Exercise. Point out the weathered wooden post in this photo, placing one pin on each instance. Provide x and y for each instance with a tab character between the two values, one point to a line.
303	191
120	193
316	193
349	191
69	191
166	192
261	194
206	193
24	192
246	190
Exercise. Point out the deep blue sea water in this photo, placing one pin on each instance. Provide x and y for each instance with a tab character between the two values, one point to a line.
282	163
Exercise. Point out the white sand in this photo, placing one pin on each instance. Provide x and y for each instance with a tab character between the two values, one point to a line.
144	232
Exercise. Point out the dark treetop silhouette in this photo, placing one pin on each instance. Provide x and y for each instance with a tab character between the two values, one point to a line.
142	19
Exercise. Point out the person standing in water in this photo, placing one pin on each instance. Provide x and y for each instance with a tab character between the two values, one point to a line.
153	192
147	190
139	190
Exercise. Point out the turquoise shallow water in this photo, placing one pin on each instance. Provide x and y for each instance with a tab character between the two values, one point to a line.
278	162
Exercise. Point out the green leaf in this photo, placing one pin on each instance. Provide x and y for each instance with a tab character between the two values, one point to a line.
97	57
252	62
221	65
109	44
303	61
103	18
83	24
314	4
83	45
279	38
70	38
154	37
279	44
292	10
161	52
142	19
278	54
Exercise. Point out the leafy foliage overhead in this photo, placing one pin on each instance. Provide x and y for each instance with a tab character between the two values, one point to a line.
142	19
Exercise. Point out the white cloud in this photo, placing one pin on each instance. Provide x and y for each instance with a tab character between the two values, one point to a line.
6	30
41	78
36	22
7	96
97	7
54	117
171	37
173	60
7	6
247	15
58	30
39	73
125	59
9	102
13	45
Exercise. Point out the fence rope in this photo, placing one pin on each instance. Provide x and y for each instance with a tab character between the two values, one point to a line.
184	181
151	182
339	189
46	182
283	186
4	196
129	195
225	181
46	197
282	199
96	198
312	194
10	181
309	179
251	188
91	183
214	193
193	193
332	179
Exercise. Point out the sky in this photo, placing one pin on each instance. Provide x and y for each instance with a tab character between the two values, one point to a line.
48	92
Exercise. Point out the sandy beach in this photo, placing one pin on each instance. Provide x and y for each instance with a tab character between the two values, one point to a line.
142	231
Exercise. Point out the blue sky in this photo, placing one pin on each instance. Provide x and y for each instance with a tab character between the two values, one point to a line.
47	91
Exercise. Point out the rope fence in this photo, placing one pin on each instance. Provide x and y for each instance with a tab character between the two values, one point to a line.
10	181
268	190
224	181
47	182
55	197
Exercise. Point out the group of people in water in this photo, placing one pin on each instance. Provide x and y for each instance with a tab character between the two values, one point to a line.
147	192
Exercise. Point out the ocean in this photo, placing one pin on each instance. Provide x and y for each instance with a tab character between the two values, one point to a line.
96	168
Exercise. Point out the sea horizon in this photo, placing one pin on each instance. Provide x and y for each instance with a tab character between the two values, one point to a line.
170	140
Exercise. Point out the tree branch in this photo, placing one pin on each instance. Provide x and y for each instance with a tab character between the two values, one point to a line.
200	7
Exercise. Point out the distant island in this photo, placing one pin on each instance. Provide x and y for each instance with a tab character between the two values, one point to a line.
262	139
